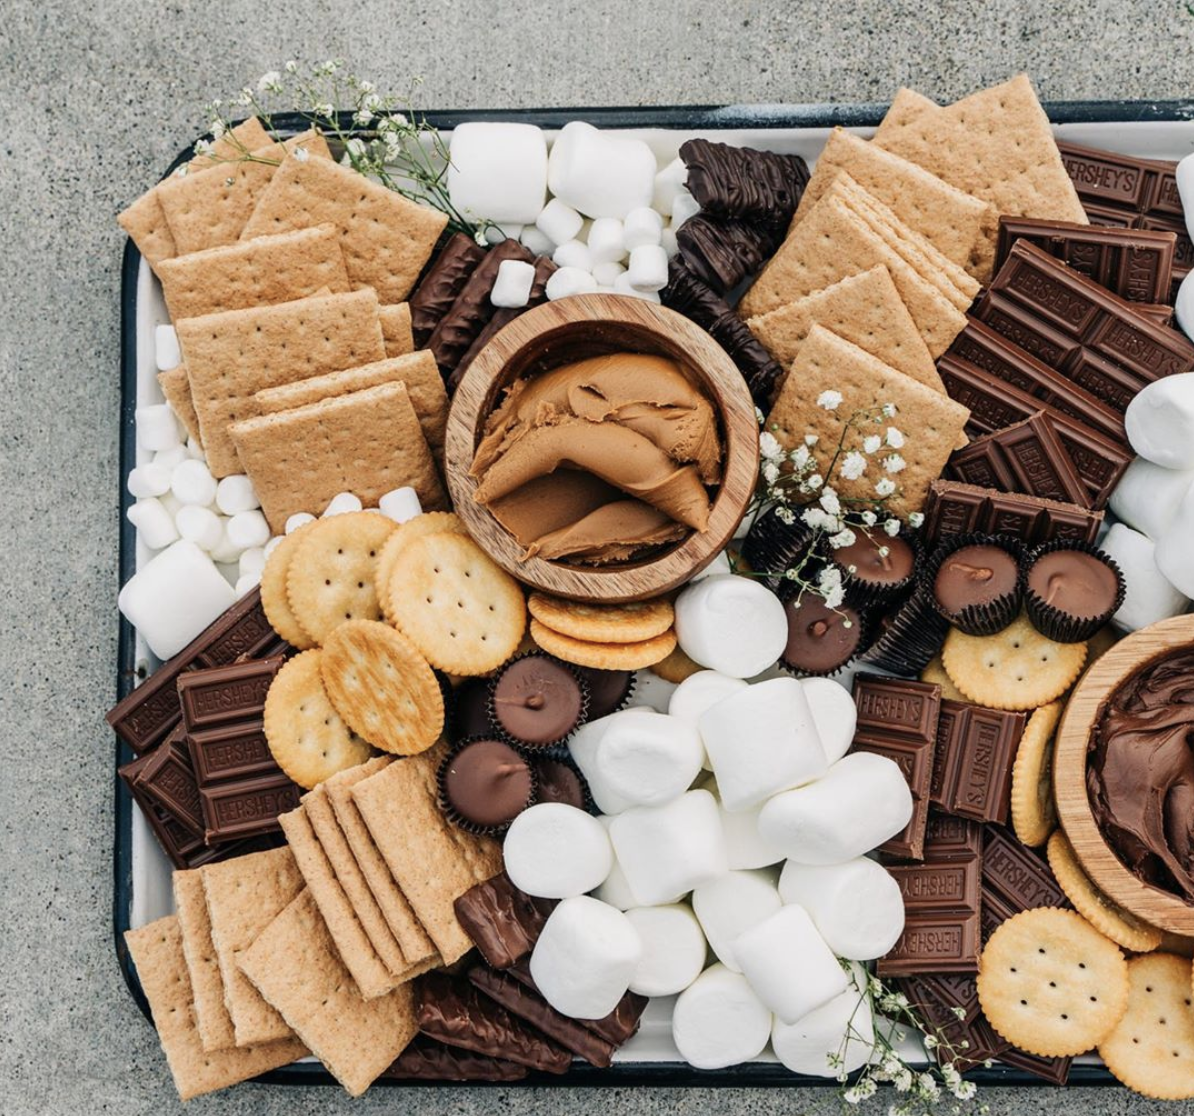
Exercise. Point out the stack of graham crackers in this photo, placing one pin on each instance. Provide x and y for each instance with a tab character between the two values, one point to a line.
312	947
287	269
888	248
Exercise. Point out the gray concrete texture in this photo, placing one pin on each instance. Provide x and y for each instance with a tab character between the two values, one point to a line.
97	98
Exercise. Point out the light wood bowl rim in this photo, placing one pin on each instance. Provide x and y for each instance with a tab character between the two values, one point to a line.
721	381
1132	653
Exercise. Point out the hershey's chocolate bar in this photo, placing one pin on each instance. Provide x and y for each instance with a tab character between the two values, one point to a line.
954	508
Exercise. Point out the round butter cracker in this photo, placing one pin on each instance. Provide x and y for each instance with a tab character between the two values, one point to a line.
1034	815
604	656
676	667
273	590
429	523
597	623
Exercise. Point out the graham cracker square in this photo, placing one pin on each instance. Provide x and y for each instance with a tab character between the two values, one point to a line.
176	387
211	1014
905	106
396	329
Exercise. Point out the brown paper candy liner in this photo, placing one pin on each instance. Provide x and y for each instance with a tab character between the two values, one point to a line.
772	546
562	756
623	702
910	638
1052	622
503	733
864	624
976	620
453	815
863	594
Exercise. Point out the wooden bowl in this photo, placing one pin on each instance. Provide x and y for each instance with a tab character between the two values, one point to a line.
1161	908
572	329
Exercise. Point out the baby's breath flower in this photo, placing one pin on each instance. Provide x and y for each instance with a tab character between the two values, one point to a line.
800	457
892	527
830	502
362	118
830	400
871	443
959	1013
889	410
785	515
884	487
845	537
203	147
301	154
916	519
355	147
869	518
811	440
770	472
930	1042
769	447
853	465
894	438
894	463
270	82
965	1090
760	418
366	86
217	128
324	108
291	67
815	481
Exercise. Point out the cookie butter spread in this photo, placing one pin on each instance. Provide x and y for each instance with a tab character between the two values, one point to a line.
601	459
1140	776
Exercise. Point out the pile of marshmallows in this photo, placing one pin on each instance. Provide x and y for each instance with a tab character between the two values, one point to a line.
734	826
604	223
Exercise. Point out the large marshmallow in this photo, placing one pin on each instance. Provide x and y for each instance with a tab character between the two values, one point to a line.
651	691
836	1038
700	691
668	850
834	714
556	851
1160	421
732	624
498	171
856	907
643	758
789	965
585	958
673	949
599	174
1147	496
585	747
1175	547
512	287
857	805
745	847
668	183
167	354
155	525
400	504
760	741
1148	596
719	1021
732	904
174	596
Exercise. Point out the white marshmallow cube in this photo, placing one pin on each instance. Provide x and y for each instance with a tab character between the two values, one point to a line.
559	222
719	1021
568	281
512	287
731	624
834	714
731	905
788	964
498	171
246	583
585	958
536	242
856	906
169	459
760	741
641	227
1160	421
1147	496
606	274
195	450
599	174
155	525
673	949
400	504
192	483
836	1038
251	561
700	691
272	545
684	205
174	596
225	552
668	850
235	494
341	504
668	183
648	268
556	851
166	353
150	479
572	253
1175	548
606	241
157	427
299	519
247	529
857	805
201	526
1148	595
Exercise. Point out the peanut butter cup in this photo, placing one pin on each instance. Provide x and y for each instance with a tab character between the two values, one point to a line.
821	640
1071	590
975	582
876	568
484	784
536	700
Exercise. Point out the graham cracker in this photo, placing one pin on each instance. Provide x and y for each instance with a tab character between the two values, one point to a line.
386	238
232	355
995	144
243	896
432	860
211	208
906	105
157	952
396	329
176	387
211	1015
832	243
352	943
368	442
294	965
408	931
254	273
418	371
931	422
866	310
960	226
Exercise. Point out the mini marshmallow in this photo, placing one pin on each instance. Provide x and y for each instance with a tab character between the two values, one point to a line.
788	964
174	596
641	227
653	692
299	519
272	545
246	583
155	525
556	851
623	286
498	171
668	183
856	906
341	504
225	552
573	253
400	505
559	222
150	479
248	529
857	805
732	904
760	741
1147	496
641	758
166	353
585	958
648	268
1183	306
600	174
235	494
536	243
157	428
718	1020
251	561
670	244
606	274
568	281
1176	545
512	287
673	949
668	850
1148	596
200	525
684	205
192	483
732	624
834	714
697	693
1160	421
195	450
836	1038
170	458
605	240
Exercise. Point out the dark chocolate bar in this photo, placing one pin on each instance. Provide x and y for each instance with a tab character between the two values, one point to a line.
1015	878
224	695
972	766
1054	1070
727	181
503	922
247	807
441	283
965	1042
231	751
427	1060
954	508
616	1028
169	780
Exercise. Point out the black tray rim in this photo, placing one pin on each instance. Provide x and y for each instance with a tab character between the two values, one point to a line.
673	117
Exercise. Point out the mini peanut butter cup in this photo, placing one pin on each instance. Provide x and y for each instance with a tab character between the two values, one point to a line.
907	637
484	784
876	567
821	640
609	690
536	700
558	779
470	710
772	546
974	582
1071	589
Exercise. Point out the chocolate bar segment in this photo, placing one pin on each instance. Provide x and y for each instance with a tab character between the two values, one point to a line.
760	186
1015	879
224	694
427	1060
502	921
723	253
954	508
440	285
168	779
232	751
616	1028
972	767
968	1041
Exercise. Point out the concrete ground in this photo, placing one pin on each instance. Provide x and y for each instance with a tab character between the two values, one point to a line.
97	98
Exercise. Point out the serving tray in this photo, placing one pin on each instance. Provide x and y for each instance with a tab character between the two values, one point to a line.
1155	129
